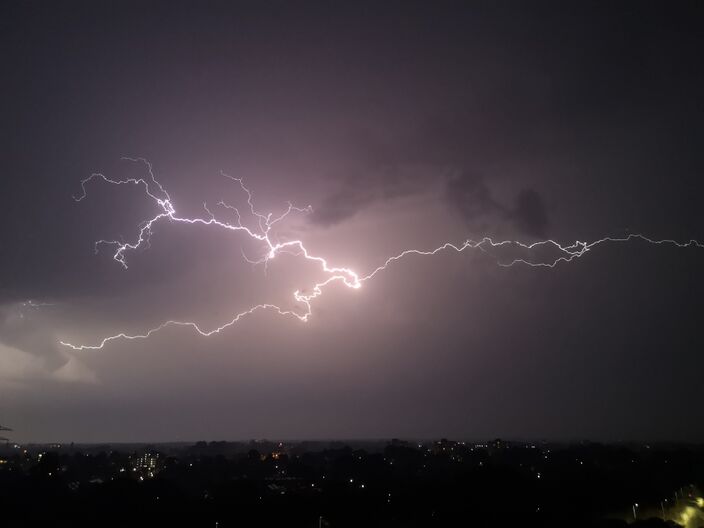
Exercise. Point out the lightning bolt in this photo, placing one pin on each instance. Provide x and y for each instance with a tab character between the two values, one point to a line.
262	233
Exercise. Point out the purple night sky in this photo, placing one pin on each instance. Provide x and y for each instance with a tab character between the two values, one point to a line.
404	125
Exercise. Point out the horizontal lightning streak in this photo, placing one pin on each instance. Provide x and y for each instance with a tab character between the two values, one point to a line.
568	253
349	278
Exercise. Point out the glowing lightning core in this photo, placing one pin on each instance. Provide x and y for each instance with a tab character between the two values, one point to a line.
265	223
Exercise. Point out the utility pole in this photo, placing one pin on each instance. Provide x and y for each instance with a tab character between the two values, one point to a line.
3	428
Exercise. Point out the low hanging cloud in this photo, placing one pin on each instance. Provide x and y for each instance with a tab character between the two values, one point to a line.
29	350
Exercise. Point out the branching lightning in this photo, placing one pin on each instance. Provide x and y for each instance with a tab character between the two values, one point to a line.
262	233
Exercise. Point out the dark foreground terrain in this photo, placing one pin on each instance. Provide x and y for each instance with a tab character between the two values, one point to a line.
354	484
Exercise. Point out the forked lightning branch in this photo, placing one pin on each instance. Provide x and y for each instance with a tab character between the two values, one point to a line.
259	227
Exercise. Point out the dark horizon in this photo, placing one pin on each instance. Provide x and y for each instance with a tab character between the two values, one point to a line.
393	483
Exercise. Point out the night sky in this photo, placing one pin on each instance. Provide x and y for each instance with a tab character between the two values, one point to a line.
404	125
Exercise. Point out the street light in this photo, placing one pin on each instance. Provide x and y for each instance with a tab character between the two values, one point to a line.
635	506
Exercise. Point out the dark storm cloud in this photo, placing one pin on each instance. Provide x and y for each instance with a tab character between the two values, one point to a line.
530	214
470	195
532	86
402	171
341	206
370	185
